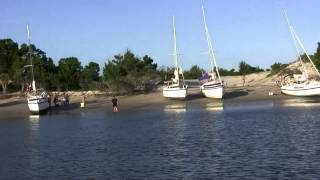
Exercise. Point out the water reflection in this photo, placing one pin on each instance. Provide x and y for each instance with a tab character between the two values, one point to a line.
175	108
259	105
216	106
299	103
34	121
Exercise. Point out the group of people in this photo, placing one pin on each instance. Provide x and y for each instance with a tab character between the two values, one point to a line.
56	97
114	101
64	100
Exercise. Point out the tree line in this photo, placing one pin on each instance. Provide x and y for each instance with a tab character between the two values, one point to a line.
244	68
124	73
68	74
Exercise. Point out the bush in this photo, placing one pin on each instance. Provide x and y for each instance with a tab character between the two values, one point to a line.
127	73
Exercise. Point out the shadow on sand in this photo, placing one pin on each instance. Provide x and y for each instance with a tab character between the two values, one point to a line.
235	94
71	106
194	96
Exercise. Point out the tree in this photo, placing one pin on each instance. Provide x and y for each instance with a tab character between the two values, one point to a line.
90	74
8	55
51	75
165	73
275	67
69	73
4	81
45	71
194	72
226	72
316	57
245	69
147	62
126	73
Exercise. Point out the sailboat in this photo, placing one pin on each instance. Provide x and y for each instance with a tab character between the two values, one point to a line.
212	86
301	85
175	88
37	98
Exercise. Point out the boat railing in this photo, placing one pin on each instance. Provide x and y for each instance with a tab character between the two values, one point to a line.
39	93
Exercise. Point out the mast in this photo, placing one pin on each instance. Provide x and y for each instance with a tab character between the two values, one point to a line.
295	42
30	57
210	49
175	51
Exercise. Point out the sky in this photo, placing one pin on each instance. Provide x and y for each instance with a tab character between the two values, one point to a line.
95	30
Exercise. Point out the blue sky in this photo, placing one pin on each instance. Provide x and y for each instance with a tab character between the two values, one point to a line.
95	30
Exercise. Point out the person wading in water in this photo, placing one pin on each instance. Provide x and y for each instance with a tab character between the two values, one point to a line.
115	104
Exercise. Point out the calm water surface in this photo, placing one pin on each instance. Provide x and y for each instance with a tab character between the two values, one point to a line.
252	140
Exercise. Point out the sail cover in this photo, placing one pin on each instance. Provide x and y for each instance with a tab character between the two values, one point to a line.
204	76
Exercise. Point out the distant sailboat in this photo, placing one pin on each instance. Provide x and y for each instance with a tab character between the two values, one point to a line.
37	98
212	86
302	85
176	88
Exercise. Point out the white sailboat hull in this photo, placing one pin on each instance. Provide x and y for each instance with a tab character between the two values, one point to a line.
301	90
212	90
37	105
175	92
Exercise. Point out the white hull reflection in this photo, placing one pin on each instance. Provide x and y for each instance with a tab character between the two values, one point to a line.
34	122
299	103
34	118
175	108
248	106
217	106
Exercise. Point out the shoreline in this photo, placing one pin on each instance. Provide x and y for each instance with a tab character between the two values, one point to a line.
16	106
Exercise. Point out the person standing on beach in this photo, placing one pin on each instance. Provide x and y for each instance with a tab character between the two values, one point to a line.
67	98
82	104
115	104
55	99
49	99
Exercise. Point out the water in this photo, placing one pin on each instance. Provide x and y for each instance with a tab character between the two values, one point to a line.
252	140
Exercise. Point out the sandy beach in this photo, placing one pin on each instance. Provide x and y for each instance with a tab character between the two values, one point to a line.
257	88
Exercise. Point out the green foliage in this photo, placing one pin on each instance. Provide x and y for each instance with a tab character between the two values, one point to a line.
4	81
275	67
245	68
127	73
194	72
13	59
225	72
316	57
90	76
8	55
165	73
69	73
